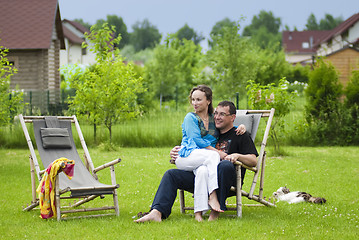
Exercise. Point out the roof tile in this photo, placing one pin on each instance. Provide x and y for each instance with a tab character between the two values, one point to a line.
27	24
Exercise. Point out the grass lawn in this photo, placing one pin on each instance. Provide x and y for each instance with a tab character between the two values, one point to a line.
329	172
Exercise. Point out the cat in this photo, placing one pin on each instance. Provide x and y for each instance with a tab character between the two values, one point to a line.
284	194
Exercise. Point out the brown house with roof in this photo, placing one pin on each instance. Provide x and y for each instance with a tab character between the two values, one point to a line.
32	31
340	46
299	46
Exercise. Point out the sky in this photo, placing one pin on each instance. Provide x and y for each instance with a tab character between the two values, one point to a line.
201	15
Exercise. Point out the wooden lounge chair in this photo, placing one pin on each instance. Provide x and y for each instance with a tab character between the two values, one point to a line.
52	143
251	119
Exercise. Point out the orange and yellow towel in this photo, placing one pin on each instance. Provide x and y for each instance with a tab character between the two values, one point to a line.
46	188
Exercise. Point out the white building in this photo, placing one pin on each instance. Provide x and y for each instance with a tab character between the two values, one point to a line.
74	37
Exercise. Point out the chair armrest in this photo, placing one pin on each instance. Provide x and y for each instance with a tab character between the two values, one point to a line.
106	165
254	169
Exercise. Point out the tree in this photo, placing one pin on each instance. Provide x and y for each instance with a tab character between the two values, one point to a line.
323	91
272	96
144	35
107	92
218	29
188	33
272	65
327	23
120	28
264	19
10	101
171	72
352	90
233	60
264	29
312	23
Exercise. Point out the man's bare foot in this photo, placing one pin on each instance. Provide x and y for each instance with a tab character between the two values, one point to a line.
213	202
198	216
153	216
213	216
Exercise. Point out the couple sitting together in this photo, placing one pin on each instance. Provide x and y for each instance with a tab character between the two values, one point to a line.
210	145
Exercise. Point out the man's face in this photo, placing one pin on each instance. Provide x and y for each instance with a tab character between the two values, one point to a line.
222	118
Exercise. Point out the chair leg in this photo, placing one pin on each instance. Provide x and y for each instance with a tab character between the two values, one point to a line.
182	201
115	199
57	197
261	181
239	192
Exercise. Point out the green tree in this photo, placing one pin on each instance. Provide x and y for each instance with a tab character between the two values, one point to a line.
312	23
327	23
144	35
272	96
264	19
218	29
188	33
10	101
272	65
323	91
106	92
120	28
233	60
352	90
172	70
264	29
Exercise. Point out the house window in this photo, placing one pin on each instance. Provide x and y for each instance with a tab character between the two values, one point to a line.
305	45
13	61
84	49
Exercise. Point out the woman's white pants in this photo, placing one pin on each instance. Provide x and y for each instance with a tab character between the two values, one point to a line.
203	163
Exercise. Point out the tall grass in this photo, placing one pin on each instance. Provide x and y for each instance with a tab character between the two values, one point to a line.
329	172
153	129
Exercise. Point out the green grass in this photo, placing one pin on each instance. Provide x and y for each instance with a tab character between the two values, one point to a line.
330	172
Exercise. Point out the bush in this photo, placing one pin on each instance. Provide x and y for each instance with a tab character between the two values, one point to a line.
329	120
323	92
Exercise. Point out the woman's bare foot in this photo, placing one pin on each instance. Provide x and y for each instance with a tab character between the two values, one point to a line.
213	202
198	216
213	216
154	215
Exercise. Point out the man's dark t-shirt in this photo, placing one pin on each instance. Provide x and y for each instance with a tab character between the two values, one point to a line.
230	142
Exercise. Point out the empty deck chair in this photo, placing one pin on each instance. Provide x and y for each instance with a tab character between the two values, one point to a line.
54	140
251	119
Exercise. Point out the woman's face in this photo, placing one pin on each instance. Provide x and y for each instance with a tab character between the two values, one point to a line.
199	101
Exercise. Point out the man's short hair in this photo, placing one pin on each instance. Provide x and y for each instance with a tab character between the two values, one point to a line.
232	108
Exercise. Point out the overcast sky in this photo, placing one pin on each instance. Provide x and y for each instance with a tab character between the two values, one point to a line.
201	15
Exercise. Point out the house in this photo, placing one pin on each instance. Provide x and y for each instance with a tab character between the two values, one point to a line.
32	31
74	34
340	46
344	35
299	46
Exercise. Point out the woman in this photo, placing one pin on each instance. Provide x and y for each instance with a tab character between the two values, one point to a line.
197	150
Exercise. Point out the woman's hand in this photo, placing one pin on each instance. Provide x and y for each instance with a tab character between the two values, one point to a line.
222	154
241	129
174	154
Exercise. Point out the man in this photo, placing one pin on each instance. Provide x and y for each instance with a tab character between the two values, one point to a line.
237	147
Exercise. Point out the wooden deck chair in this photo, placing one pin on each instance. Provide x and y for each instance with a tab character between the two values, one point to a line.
251	119
52	143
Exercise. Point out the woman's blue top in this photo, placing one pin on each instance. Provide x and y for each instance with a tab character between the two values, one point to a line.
195	135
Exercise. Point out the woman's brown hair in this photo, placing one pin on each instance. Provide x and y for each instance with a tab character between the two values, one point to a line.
208	93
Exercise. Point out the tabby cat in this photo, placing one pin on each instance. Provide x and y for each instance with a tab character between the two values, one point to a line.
284	194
